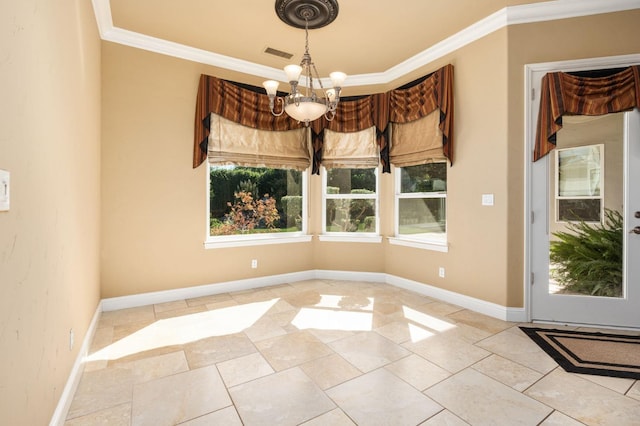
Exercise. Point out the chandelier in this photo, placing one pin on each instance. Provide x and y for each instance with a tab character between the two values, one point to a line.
303	103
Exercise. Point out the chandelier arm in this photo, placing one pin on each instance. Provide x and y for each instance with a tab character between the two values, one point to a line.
336	99
294	88
315	71
272	101
310	91
330	114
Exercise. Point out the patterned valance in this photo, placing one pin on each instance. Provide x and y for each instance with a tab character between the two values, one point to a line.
566	94
249	106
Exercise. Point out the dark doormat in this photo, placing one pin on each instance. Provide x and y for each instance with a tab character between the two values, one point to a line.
600	354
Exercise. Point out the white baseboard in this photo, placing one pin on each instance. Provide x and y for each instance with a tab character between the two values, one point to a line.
374	277
60	414
481	306
144	299
477	305
517	315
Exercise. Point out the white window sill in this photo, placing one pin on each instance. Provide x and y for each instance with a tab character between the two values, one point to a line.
345	238
420	244
254	240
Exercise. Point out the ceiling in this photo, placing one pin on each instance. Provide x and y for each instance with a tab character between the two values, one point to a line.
373	41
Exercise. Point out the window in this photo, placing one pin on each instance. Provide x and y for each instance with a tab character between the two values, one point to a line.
579	183
255	203
421	203
350	201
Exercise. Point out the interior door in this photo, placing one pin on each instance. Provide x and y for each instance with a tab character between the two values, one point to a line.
594	173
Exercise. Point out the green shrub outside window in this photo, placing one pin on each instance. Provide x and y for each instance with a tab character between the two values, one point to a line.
246	200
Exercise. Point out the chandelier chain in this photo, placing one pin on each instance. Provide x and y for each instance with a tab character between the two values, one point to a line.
306	35
308	64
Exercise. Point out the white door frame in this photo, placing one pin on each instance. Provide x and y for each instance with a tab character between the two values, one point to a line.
531	105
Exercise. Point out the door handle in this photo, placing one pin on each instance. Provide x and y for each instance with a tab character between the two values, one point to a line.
635	230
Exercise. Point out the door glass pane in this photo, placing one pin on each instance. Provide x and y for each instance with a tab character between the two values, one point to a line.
586	205
573	210
579	181
579	171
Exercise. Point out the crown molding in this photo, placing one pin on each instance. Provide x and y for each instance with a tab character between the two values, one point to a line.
563	9
511	15
177	50
474	32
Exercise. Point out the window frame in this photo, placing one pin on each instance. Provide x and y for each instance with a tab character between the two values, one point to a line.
421	242
371	237
240	240
558	197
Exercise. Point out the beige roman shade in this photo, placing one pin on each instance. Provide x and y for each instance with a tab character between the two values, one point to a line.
355	150
231	143
417	142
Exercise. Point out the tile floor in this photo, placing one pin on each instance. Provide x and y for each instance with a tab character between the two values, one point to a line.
326	352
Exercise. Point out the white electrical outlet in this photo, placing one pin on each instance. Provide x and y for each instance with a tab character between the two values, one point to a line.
441	272
4	190
254	263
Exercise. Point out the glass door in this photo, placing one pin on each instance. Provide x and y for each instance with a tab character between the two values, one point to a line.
583	244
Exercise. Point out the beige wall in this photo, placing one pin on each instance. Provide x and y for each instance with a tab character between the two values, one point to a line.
154	204
49	240
341	256
154	218
475	263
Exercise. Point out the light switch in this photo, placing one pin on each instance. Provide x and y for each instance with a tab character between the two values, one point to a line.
487	199
4	190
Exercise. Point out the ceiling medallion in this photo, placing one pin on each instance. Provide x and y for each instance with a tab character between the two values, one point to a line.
315	13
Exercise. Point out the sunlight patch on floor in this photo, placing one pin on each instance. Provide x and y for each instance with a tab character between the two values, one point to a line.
426	320
345	302
325	319
418	333
185	329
